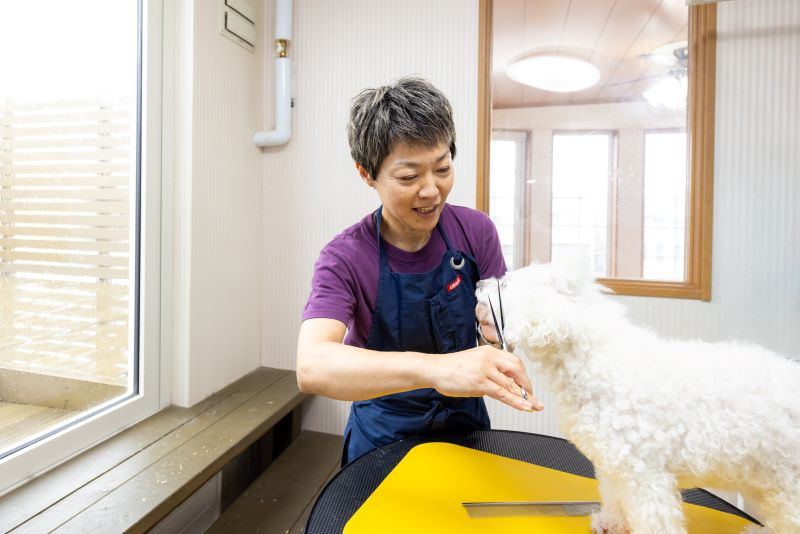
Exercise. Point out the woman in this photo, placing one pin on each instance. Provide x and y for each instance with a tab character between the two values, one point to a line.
390	321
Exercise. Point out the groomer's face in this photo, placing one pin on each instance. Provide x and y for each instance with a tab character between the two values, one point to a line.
413	183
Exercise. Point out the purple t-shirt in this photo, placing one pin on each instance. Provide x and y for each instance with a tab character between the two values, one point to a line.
345	282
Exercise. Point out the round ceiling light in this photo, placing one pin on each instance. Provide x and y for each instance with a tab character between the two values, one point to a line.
559	74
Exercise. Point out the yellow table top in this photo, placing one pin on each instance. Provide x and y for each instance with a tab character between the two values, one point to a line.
425	490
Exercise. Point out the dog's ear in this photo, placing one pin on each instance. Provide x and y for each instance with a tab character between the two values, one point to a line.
572	273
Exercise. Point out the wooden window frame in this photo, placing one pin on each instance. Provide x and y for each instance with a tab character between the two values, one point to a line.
700	126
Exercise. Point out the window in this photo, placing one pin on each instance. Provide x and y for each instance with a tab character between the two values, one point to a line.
507	184
640	205
581	166
79	226
664	205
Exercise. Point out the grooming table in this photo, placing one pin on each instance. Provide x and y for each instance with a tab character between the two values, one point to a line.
417	485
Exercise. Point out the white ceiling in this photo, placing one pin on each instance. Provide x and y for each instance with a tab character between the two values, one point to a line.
614	35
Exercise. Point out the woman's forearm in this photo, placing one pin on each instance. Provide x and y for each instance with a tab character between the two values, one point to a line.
343	372
325	366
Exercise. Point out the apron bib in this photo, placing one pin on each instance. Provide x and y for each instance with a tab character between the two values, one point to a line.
433	313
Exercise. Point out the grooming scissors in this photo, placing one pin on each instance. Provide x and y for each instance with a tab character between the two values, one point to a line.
500	328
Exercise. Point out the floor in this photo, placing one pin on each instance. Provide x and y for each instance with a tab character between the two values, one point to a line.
19	422
63	350
67	329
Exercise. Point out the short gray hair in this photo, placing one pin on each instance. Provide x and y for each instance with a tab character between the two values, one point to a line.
410	111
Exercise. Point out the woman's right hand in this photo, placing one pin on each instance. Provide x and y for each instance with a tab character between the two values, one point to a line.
485	370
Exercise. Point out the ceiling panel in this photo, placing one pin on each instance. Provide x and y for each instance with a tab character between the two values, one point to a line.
660	29
615	35
587	19
544	22
626	21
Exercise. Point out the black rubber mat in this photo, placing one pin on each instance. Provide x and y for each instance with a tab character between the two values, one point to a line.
347	491
701	497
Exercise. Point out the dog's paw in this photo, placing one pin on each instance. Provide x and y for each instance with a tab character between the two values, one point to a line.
606	523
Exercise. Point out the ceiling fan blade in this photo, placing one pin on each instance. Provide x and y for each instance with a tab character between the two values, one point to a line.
636	80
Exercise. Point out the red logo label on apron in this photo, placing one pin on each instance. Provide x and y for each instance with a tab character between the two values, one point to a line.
454	284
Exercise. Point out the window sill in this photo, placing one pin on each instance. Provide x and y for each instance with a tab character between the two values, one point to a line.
134	479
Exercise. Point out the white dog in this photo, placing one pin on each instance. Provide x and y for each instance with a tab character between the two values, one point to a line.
653	414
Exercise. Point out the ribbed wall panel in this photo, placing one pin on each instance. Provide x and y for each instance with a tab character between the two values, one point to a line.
224	268
756	290
312	191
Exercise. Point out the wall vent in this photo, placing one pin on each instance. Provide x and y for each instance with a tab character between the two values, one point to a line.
238	23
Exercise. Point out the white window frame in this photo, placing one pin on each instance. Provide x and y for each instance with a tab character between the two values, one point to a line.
153	392
520	139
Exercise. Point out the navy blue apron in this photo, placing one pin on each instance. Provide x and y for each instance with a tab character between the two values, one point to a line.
433	313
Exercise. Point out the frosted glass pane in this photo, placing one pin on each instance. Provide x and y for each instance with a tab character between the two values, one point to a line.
68	182
665	176
581	166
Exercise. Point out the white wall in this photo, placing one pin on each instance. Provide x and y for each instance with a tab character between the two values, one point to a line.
213	177
311	191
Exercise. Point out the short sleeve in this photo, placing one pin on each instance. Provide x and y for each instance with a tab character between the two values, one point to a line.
491	262
332	289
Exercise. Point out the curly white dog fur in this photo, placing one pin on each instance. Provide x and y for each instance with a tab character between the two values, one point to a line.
653	414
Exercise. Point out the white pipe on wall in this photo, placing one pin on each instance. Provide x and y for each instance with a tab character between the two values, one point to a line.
283	80
283	19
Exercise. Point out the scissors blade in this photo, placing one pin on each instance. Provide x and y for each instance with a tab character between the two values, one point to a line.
500	328
500	305
497	327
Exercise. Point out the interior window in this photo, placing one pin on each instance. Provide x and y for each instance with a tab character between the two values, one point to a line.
616	106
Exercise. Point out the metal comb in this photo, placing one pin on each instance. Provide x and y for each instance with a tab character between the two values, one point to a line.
531	508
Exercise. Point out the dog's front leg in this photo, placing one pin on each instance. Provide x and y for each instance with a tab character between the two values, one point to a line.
652	504
610	519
